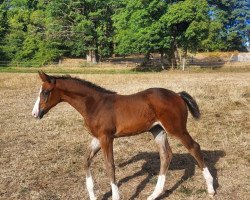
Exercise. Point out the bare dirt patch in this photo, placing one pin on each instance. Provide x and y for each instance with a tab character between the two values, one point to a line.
43	159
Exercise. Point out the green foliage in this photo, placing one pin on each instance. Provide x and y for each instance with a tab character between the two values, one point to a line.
137	27
3	27
188	22
39	32
214	41
25	42
81	26
234	29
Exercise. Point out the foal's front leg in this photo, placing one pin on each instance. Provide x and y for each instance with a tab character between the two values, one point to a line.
107	148
94	148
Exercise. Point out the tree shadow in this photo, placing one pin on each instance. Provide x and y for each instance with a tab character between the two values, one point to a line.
151	167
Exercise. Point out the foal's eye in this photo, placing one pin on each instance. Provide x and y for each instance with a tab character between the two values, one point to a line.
45	92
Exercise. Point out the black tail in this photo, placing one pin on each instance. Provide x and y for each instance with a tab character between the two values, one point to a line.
191	104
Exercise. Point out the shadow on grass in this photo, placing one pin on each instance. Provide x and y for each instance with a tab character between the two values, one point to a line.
179	162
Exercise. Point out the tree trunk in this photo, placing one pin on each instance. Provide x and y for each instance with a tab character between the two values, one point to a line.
113	48
184	59
183	63
92	56
177	53
162	56
146	59
171	58
162	60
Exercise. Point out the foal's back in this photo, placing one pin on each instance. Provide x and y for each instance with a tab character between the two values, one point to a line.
138	112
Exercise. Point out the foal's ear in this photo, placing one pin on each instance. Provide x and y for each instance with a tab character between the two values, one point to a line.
46	77
43	76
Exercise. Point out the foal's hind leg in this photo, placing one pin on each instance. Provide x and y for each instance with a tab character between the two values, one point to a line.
94	148
194	149
165	157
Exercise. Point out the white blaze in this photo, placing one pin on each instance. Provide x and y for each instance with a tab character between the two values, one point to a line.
35	110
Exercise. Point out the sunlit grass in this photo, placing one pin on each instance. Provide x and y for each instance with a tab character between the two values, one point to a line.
43	159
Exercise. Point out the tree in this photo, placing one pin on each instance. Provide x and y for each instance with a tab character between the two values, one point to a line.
3	28
159	26
38	32
83	27
24	41
188	22
234	30
18	19
138	29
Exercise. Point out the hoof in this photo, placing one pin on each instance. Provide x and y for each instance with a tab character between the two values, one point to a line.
151	197
93	198
115	197
211	194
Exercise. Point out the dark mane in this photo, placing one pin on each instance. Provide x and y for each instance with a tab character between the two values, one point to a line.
85	83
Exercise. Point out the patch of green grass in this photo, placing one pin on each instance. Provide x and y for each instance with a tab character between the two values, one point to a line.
201	191
49	195
112	70
179	145
185	191
61	70
24	191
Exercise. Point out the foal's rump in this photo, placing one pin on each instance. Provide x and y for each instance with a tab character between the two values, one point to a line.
165	100
171	109
168	103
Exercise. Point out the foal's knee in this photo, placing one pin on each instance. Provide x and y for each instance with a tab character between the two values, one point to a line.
197	154
190	144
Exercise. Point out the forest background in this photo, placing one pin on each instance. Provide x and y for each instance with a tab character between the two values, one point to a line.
38	32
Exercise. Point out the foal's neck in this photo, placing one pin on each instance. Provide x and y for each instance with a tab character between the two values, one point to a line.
78	95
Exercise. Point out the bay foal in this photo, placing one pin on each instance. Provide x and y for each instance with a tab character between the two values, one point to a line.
109	115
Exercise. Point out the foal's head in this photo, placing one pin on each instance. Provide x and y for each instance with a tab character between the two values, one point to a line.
48	96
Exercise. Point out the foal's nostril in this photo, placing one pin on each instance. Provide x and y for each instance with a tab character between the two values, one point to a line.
34	114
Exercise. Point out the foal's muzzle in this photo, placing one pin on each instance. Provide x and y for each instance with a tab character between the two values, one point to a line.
41	113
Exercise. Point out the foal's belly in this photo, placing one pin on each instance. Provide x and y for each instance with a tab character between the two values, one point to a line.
132	124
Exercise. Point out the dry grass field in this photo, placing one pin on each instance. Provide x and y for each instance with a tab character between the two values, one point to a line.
43	159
